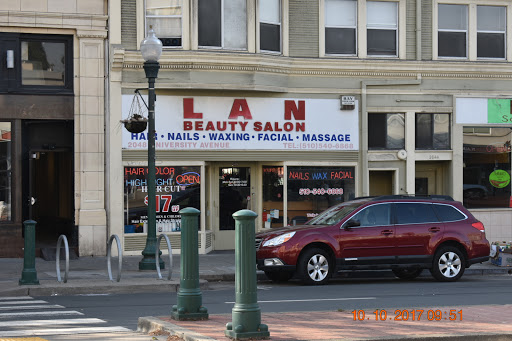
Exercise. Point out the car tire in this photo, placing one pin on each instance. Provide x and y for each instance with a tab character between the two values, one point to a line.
449	264
407	273
279	276
315	267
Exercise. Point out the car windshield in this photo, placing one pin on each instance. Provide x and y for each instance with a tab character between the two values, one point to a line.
333	215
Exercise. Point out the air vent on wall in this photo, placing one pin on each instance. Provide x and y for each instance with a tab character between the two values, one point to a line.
171	41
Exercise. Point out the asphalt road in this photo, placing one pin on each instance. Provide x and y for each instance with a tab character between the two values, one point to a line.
347	294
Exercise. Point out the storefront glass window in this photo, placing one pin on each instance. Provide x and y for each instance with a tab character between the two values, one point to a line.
43	63
386	131
273	181
487	167
176	188
5	171
312	190
234	194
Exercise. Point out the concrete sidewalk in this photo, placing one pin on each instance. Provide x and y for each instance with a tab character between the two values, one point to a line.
88	275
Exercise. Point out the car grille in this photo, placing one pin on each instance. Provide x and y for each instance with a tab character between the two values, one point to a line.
257	242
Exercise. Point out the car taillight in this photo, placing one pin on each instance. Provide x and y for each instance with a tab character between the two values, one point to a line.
479	226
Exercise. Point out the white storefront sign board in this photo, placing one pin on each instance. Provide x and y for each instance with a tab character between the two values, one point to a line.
237	123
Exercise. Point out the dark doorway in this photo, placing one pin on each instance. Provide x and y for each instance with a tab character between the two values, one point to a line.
48	181
234	194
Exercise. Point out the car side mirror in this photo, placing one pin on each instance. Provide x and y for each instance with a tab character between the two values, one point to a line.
352	223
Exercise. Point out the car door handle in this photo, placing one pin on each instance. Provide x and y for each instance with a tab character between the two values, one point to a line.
434	229
386	232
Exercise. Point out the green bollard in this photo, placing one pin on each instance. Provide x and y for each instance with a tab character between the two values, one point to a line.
246	315
29	274
190	299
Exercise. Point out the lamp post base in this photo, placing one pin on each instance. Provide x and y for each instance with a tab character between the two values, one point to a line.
148	263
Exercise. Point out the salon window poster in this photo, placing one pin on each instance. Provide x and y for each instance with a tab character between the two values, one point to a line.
176	188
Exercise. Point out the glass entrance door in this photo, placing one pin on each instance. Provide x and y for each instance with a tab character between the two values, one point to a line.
234	194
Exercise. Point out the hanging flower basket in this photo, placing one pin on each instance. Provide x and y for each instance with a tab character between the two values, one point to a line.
136	122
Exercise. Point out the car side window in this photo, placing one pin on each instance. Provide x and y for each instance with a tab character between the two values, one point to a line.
415	213
448	213
375	215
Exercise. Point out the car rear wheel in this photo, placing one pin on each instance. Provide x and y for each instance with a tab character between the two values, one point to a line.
279	276
315	267
449	264
407	273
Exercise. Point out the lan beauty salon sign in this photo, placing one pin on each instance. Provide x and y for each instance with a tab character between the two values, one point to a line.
227	123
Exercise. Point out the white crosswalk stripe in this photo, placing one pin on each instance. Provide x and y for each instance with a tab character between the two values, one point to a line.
18	320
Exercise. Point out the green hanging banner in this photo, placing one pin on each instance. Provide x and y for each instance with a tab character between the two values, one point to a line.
499	111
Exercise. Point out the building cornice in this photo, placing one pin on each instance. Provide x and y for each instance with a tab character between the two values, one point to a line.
323	67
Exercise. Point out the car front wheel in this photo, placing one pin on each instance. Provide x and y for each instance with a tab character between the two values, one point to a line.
449	264
315	267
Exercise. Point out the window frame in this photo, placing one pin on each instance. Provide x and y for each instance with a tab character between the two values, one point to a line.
387	29
472	34
432	131
11	79
386	132
356	33
361	32
504	33
466	31
146	28
222	31
280	25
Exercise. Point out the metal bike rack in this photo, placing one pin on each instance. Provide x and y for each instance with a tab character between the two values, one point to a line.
109	256
157	254
57	258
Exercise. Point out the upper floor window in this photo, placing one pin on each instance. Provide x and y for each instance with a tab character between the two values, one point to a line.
165	17
341	27
432	131
36	63
270	25
452	30
381	28
386	131
222	23
459	36
491	28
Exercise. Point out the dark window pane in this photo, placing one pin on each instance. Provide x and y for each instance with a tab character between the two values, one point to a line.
376	215
451	44
43	63
448	213
270	37
415	213
490	45
209	22
377	131
273	182
235	192
423	131
381	42
312	190
340	41
441	131
395	138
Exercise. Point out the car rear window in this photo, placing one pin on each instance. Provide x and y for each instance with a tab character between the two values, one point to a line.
415	213
448	213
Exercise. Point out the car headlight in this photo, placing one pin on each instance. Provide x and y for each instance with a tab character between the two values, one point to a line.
279	239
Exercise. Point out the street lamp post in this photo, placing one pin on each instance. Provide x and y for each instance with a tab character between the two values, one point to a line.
151	49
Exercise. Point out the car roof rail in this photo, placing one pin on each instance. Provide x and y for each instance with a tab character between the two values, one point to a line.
413	196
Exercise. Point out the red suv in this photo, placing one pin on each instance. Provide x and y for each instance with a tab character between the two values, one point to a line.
401	233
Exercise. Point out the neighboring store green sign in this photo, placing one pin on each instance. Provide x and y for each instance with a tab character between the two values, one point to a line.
499	111
499	178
